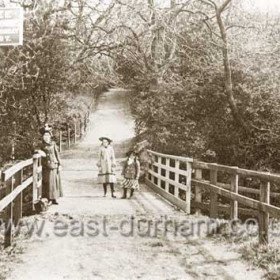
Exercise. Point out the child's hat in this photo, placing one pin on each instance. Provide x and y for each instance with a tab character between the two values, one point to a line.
131	152
106	138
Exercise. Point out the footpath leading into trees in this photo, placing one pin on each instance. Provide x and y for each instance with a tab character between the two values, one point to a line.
88	236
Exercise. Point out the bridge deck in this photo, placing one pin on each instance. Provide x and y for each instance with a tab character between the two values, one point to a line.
110	254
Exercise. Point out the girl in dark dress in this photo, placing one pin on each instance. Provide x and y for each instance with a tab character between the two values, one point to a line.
131	173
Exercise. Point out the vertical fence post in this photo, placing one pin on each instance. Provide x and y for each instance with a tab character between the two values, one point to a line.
81	128
263	216
68	137
234	203
213	196
167	162
197	191
35	180
18	199
177	166
9	185
60	140
85	122
158	172
40	178
75	131
188	187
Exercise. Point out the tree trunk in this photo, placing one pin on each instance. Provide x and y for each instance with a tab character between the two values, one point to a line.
227	67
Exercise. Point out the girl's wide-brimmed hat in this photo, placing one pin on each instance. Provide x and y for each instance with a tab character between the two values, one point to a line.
131	152
106	138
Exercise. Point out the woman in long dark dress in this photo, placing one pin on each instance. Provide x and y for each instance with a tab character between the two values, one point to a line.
51	182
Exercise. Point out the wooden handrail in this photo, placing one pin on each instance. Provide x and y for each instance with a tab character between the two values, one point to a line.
11	196
250	202
12	178
183	159
15	168
177	192
158	177
266	176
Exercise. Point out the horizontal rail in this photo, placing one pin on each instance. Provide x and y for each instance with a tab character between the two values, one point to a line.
239	171
261	206
183	159
246	189
7	174
11	196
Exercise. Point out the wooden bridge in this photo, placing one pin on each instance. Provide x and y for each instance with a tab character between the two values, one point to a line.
174	186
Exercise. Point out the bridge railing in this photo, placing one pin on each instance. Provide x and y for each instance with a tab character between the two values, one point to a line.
14	186
170	175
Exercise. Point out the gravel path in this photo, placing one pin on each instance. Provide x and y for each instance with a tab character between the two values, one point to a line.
88	236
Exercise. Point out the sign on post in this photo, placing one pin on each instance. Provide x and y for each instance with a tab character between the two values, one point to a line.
11	26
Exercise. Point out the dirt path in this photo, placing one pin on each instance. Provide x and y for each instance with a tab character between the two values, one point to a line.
88	236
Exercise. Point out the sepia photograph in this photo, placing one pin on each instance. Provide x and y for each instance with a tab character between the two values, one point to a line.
140	139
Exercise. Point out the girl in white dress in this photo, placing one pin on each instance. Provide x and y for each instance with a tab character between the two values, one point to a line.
107	164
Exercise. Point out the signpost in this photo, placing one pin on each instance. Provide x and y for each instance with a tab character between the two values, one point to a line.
11	34
11	26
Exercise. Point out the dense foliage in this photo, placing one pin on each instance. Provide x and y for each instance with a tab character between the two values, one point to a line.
182	99
45	80
204	73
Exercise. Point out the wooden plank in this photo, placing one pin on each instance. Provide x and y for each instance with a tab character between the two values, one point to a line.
242	172
68	137
197	190
60	141
273	210
234	203
188	188
213	166
7	174
81	129
75	132
39	169
242	189
183	159
176	179
9	183
264	216
18	198
11	196
168	196
213	195
35	181
36	156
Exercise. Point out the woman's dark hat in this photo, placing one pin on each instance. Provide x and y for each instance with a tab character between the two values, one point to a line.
106	138
46	129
